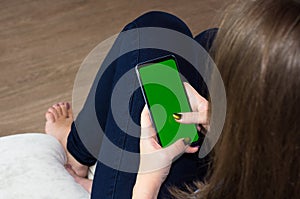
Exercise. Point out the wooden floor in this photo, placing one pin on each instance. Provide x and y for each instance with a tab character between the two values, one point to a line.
43	42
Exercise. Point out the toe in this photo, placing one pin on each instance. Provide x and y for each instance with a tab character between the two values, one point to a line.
69	109
68	105
58	109
64	109
49	117
54	112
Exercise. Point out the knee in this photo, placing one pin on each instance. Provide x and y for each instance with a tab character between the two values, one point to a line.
159	19
154	17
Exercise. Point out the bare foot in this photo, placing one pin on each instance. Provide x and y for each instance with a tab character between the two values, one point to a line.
84	182
59	118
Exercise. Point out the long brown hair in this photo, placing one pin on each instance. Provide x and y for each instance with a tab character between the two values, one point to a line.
257	51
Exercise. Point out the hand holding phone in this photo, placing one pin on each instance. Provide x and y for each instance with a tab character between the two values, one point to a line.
155	162
165	95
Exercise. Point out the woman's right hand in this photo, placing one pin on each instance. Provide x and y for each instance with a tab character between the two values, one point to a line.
199	114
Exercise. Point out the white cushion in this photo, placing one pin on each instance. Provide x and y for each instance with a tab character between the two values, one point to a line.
32	167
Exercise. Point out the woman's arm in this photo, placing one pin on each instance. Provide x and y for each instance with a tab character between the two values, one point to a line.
155	162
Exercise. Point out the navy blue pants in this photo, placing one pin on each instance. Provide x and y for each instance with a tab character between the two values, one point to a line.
112	183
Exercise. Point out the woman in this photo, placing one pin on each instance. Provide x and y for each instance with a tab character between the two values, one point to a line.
111	181
257	50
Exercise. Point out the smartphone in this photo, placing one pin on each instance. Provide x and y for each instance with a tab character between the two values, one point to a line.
164	95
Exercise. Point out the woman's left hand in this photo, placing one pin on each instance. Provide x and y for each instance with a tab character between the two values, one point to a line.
155	161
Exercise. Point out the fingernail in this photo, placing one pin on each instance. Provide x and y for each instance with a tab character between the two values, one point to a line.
187	141
177	116
68	105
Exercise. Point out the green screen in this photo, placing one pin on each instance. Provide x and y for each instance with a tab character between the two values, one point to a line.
165	95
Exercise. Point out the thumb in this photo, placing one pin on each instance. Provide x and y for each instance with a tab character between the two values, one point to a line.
175	150
145	118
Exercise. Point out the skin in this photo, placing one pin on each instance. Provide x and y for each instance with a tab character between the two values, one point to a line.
59	119
148	183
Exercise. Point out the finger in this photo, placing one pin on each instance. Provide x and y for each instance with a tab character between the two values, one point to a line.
145	118
192	149
158	159
191	117
197	102
149	146
147	130
178	148
148	133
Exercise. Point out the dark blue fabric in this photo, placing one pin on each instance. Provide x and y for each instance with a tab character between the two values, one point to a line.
110	183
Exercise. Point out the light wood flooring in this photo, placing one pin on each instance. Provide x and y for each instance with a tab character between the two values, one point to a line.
43	42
